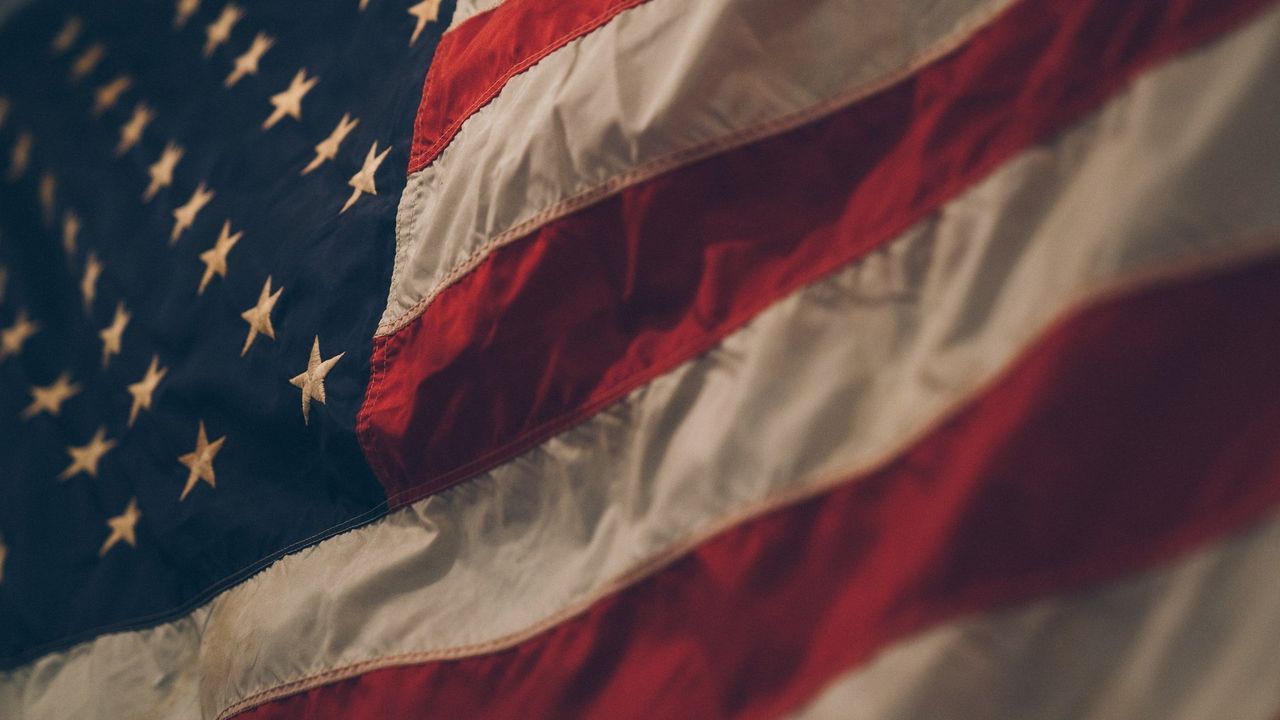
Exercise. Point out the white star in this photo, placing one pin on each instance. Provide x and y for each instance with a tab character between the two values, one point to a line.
199	462
425	12
66	36
16	335
289	102
86	62
49	398
131	132
161	171
70	232
219	31
85	458
143	391
215	258
327	149
123	527
106	97
311	381
20	156
48	192
362	181
184	11
259	316
113	334
89	282
247	63
185	215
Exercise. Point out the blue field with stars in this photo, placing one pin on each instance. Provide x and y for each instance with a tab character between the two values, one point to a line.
197	229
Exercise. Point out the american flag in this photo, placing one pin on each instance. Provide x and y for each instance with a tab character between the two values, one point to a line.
640	358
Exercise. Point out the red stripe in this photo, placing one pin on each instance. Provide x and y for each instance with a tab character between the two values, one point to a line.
1137	431
564	322
475	60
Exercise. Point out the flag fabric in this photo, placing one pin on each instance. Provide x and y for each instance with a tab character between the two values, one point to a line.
640	358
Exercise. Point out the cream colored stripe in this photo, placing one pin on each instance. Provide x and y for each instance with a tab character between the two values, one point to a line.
660	86
466	9
1197	640
1171	177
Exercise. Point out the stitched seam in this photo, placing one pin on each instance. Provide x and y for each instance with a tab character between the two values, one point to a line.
375	450
402	249
405	232
427	151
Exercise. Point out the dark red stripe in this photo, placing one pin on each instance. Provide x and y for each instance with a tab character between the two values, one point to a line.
1134	433
561	323
475	60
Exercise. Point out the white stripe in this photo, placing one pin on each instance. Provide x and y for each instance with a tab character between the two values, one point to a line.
468	9
1199	640
875	355
645	93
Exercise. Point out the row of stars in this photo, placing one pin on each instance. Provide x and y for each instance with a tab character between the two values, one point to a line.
48	399
286	103
218	32
199	462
